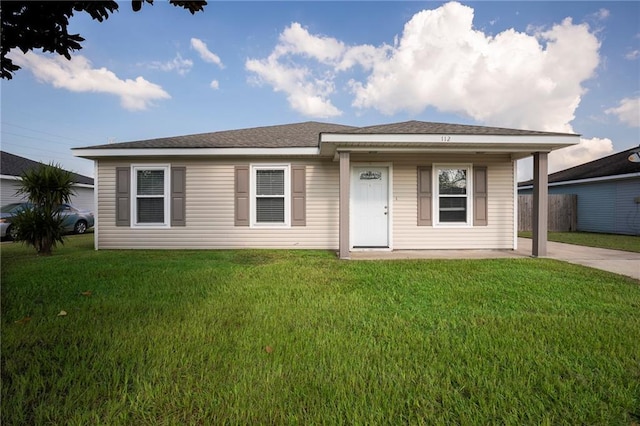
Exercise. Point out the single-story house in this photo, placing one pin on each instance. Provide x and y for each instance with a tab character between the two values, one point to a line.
608	191
13	166
409	185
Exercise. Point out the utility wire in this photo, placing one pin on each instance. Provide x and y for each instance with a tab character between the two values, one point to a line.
36	138
4	123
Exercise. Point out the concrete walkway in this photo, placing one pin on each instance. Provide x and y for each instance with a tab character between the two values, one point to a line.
616	261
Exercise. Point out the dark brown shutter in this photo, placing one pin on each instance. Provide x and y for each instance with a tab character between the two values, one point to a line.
241	186
480	196
298	196
123	196
178	196
424	196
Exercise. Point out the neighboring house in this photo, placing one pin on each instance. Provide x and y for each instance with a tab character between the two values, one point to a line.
608	191
13	166
411	185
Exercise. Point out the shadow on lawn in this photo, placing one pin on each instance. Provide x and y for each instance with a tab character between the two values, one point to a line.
251	257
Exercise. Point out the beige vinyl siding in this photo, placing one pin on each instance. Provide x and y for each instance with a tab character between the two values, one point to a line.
210	203
210	215
406	234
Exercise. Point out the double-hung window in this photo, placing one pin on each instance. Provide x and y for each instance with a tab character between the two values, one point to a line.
453	200
270	195
150	190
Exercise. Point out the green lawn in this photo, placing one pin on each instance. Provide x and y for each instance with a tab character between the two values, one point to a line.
298	337
591	239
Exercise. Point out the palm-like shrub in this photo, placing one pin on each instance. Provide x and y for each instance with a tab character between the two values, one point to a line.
46	187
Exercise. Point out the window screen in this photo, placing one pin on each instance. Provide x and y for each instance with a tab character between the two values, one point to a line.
150	197
270	182
270	193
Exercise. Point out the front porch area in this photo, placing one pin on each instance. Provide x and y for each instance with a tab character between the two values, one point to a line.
440	254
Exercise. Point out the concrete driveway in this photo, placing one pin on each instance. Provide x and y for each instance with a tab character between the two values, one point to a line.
616	261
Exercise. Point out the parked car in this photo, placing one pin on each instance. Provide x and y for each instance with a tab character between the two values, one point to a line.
75	220
6	213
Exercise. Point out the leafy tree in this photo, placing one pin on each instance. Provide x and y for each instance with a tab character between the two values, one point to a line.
30	25
40	226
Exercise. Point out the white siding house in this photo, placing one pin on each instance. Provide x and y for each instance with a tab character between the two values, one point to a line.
11	168
412	185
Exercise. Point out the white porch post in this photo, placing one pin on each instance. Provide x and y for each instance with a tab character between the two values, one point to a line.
343	233
540	204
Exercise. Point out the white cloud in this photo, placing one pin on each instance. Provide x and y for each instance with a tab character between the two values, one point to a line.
178	64
305	94
530	80
587	150
627	111
602	14
634	54
205	54
308	88
215	85
513	79
297	40
77	75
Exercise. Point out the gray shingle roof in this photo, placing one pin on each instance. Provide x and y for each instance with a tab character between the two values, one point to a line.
307	134
612	165
427	128
14	165
299	135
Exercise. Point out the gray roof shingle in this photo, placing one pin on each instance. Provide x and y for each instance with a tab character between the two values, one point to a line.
307	134
612	165
14	165
299	135
428	128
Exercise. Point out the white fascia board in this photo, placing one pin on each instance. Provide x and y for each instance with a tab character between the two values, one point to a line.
440	149
83	185
10	177
559	140
588	180
191	152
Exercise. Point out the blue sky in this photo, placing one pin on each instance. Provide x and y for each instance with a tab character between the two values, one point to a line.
555	66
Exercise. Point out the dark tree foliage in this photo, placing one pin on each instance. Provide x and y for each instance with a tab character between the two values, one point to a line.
30	25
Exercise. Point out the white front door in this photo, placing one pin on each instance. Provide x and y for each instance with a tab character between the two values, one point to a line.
370	206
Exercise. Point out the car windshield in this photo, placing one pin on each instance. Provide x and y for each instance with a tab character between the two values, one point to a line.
12	208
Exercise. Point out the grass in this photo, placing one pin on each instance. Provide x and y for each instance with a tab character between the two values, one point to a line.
298	337
591	239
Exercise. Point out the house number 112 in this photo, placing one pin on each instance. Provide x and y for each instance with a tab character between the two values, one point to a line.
445	138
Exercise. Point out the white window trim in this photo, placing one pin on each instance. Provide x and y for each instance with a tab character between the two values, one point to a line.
469	195
287	195
134	195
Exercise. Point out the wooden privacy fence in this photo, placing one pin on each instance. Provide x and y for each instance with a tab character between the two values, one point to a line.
563	212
